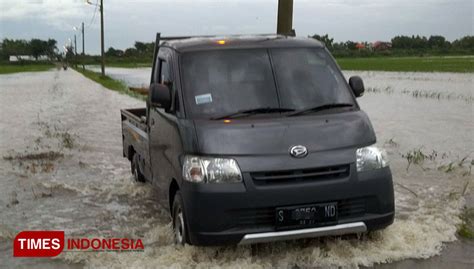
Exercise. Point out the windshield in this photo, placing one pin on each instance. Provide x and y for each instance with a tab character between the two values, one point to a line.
226	81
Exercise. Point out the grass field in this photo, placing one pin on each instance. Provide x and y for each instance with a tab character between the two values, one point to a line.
403	64
109	83
16	68
128	64
409	64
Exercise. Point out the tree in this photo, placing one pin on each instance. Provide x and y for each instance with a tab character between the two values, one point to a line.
130	52
144	49
34	47
436	41
413	42
12	47
114	52
38	47
326	40
69	52
466	43
339	46
420	42
350	45
141	47
401	42
51	47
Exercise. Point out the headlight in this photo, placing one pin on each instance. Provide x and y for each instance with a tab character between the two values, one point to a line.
211	170
371	158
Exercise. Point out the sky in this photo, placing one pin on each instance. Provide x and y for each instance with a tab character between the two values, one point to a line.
127	21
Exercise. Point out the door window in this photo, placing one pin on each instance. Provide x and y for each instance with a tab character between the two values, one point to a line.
165	75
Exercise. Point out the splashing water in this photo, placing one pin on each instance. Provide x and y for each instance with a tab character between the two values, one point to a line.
89	192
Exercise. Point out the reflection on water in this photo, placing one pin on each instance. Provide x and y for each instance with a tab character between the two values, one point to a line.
133	77
81	184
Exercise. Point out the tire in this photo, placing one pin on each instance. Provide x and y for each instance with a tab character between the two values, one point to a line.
179	221
137	174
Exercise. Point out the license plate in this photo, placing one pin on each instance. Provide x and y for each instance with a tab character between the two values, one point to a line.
306	216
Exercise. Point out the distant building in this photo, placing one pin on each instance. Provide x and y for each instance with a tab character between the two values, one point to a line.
380	45
17	58
360	46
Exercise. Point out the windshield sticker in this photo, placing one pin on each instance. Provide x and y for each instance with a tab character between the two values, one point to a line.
203	99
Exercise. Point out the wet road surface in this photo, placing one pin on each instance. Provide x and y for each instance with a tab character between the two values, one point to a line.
62	168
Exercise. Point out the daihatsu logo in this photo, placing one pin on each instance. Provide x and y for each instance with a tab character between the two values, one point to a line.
298	151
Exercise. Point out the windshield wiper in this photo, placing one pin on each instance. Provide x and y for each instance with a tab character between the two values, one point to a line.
247	112
319	108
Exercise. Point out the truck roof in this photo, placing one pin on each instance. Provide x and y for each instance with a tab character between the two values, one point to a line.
248	41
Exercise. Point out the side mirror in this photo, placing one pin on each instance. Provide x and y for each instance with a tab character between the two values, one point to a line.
160	96
357	86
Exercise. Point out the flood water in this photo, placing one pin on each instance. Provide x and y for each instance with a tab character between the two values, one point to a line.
133	77
61	168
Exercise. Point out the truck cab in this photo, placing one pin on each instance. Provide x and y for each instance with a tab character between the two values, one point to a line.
252	139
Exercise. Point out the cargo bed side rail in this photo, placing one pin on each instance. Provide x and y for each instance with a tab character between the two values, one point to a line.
133	119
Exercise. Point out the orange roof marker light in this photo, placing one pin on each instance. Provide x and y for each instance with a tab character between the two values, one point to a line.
227	121
221	42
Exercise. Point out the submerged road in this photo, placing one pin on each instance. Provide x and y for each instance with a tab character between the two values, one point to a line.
61	168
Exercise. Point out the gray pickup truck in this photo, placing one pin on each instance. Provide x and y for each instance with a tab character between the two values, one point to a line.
253	139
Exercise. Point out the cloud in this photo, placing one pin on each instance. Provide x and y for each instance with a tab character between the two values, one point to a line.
56	13
129	20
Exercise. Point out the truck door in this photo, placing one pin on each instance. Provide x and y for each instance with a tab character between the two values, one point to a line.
164	139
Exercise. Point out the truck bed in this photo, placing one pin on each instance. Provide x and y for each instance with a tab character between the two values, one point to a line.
136	116
134	132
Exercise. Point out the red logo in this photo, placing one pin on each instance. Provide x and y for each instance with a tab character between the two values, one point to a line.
38	244
52	243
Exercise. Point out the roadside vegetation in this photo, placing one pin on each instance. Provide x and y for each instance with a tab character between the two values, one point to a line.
418	157
19	48
7	68
462	167
27	55
401	53
410	64
428	94
110	83
46	153
459	64
466	229
400	46
128	64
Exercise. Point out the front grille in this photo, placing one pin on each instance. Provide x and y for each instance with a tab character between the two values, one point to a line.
264	217
300	175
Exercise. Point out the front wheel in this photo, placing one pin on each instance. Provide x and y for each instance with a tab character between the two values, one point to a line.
179	220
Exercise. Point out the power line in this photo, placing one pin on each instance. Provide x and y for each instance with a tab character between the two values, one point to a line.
95	12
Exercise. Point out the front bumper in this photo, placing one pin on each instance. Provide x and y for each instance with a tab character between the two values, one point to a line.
340	229
219	214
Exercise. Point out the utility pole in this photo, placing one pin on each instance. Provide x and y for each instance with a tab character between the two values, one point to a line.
83	51
75	45
102	36
102	54
285	17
